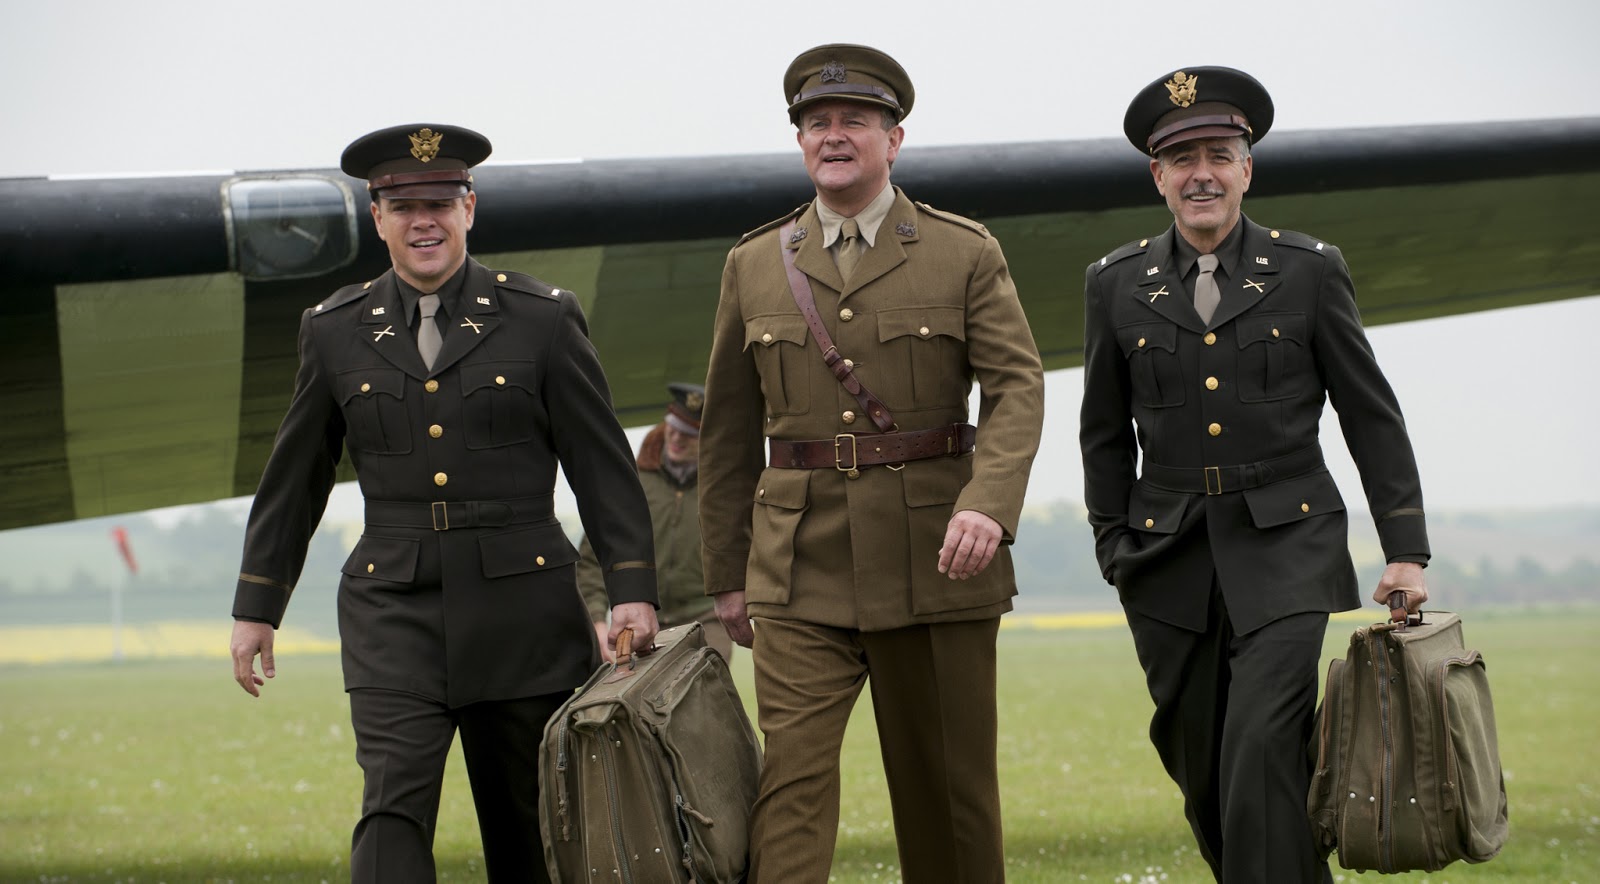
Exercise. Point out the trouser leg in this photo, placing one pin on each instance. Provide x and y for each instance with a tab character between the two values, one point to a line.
500	743
402	741
1187	676
807	679
1265	771
933	693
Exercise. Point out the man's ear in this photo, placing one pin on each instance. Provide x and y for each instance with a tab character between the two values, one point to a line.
377	216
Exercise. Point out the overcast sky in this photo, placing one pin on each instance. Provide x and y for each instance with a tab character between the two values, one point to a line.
1501	405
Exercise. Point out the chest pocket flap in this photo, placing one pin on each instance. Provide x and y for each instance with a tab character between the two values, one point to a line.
523	550
775	328
1271	328
1146	337
1293	500
925	323
371	382
393	559
1155	512
499	376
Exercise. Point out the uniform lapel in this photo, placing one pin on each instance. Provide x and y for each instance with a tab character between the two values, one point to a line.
477	318
810	255
386	328
1158	286
888	252
1254	278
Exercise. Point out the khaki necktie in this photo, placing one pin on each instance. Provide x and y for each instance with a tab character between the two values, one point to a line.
428	339
1206	294
849	247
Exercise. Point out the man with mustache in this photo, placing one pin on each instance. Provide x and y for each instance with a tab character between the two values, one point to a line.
1209	350
456	390
868	535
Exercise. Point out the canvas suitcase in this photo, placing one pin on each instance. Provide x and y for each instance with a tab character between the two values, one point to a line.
1407	774
647	775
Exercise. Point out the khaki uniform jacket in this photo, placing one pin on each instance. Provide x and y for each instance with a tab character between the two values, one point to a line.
504	402
929	308
1247	387
675	513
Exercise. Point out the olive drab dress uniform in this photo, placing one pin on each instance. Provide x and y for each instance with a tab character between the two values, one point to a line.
458	609
1228	547
929	308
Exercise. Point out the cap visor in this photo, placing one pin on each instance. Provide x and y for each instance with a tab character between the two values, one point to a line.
430	190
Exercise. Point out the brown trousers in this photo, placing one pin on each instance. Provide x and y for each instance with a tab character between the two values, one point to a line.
933	695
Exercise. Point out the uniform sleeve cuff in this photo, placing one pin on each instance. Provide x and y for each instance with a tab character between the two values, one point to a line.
632	585
259	602
1404	537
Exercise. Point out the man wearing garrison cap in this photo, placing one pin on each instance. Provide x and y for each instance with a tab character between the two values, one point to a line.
669	469
847	505
456	389
1209	350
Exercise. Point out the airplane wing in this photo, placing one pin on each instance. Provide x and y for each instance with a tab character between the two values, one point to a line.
148	324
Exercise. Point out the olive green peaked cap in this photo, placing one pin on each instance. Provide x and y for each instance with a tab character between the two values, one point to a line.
847	71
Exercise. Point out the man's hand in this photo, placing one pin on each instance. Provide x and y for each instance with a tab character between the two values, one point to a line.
735	617
1403	577
602	632
969	544
638	616
249	639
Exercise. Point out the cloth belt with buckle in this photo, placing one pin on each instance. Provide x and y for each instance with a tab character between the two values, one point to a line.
447	515
1222	480
853	451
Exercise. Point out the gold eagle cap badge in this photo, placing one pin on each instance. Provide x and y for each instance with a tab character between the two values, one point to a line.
694	400
1182	86
425	144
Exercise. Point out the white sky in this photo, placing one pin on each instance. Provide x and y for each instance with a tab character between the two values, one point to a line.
1501	405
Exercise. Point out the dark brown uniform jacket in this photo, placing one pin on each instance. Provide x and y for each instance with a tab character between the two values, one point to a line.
516	386
929	308
1248	387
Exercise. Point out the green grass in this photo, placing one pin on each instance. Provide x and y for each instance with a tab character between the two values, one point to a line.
166	772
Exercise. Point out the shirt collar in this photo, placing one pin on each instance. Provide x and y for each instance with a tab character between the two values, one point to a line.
868	219
449	293
1227	252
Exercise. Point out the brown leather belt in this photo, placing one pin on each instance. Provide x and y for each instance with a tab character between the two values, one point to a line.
445	515
854	451
1220	480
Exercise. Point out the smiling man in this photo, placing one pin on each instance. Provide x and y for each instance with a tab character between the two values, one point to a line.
1209	351
456	389
869	540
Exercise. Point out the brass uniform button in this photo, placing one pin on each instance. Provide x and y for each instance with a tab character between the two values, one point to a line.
499	277
1143	243
1149	523
441	478
431	386
1210	338
848	417
849	363
366	388
538	560
500	379
1214	429
368	285
1141	342
436	431
847	314
1305	507
371	567
923	331
1275	234
1274	332
761	492
766	338
1211	383
853	474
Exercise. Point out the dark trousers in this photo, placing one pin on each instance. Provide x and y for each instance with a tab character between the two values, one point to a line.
933	694
1233	714
402	741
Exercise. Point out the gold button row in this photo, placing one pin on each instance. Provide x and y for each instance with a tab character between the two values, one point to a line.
766	338
440	478
848	417
431	386
1214	429
1210	338
847	314
1211	383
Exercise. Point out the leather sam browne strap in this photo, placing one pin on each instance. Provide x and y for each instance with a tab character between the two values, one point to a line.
800	287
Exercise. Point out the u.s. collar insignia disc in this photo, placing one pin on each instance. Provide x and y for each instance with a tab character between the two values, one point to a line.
425	144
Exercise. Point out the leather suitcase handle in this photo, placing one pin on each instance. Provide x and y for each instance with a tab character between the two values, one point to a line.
1398	615
624	650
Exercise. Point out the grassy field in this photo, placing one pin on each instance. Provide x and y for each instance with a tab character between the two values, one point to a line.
164	771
